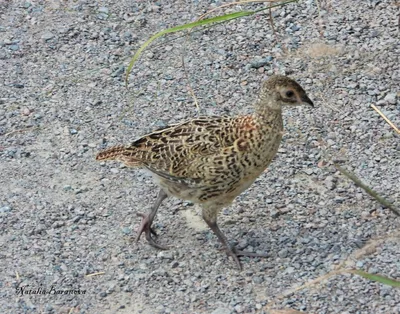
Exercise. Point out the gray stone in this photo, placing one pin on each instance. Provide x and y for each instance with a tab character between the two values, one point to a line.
391	98
221	310
118	72
258	280
5	209
103	10
166	255
261	62
126	230
283	253
47	36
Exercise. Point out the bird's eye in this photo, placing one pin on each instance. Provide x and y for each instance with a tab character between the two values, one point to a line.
289	94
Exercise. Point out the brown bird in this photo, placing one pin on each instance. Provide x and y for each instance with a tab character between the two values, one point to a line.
211	160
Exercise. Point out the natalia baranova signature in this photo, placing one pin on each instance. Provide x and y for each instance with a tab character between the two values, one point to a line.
27	290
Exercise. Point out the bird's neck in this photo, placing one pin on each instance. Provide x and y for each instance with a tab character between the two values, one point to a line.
267	112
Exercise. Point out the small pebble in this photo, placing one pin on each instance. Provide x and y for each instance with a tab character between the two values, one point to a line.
47	36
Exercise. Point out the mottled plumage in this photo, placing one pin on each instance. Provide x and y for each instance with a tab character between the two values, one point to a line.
211	160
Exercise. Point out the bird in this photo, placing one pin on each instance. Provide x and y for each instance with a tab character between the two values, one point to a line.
210	160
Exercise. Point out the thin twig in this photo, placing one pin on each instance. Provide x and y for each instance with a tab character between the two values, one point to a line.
189	84
232	4
271	21
330	105
321	33
22	130
367	189
301	287
386	119
96	274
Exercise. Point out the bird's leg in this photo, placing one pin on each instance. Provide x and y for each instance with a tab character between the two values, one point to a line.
147	221
229	250
210	217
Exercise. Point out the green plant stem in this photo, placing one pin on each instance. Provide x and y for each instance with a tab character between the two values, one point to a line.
373	277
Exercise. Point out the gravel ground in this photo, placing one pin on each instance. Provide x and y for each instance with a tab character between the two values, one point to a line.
63	216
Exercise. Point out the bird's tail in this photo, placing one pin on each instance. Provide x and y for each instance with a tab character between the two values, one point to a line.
119	153
112	153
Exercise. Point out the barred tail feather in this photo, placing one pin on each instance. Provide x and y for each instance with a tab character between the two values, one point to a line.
111	153
119	153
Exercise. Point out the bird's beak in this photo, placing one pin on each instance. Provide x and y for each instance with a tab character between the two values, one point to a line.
307	101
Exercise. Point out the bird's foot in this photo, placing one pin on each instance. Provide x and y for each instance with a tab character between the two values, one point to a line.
234	253
145	227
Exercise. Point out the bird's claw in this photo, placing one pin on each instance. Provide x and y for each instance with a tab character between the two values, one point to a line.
234	253
145	227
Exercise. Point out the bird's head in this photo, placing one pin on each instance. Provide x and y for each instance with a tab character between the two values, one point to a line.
281	91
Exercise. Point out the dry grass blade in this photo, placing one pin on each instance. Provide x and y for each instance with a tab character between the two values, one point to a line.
286	311
234	3
271	21
386	119
326	102
21	131
196	102
373	277
96	274
321	32
367	189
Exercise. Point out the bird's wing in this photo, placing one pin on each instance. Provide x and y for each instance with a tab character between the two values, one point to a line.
185	152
